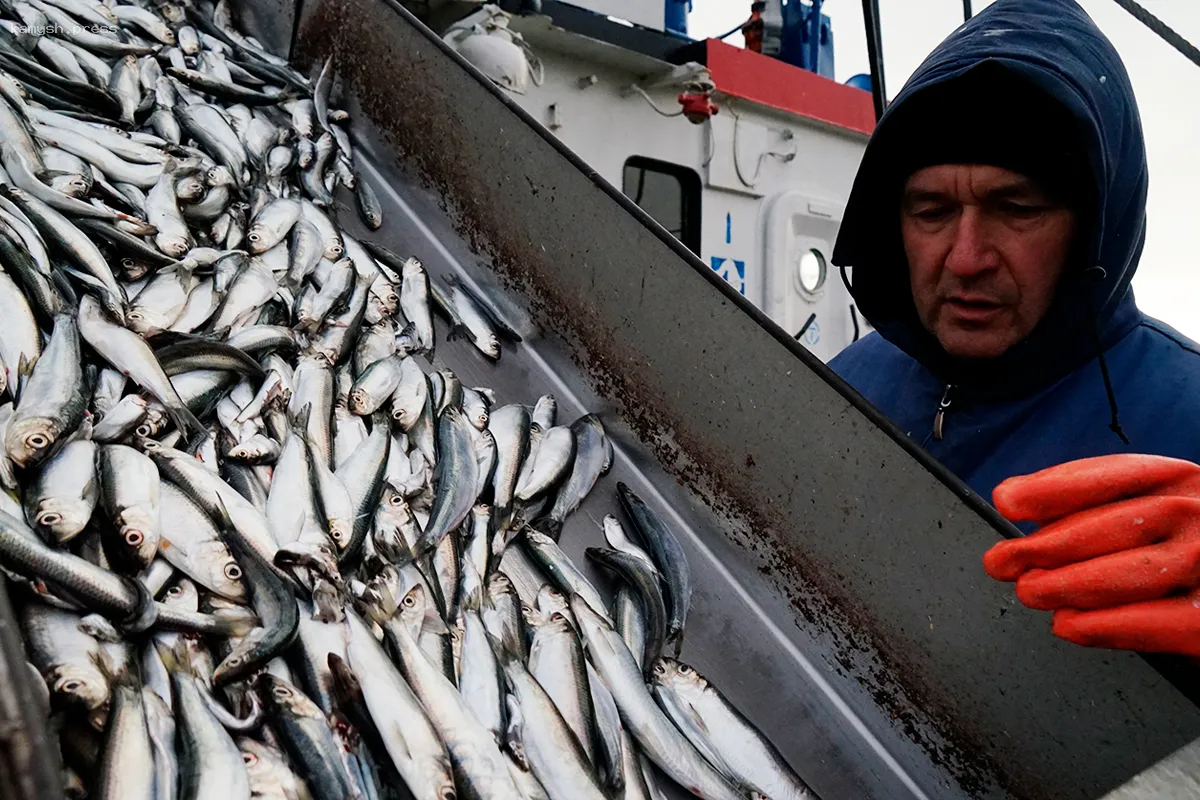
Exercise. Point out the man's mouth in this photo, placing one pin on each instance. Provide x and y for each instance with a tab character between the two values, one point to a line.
974	309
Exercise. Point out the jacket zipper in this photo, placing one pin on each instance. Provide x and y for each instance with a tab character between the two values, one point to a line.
939	419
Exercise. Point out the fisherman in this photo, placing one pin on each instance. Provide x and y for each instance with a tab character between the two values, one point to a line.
994	227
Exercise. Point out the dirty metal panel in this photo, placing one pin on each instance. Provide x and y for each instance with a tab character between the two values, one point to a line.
840	600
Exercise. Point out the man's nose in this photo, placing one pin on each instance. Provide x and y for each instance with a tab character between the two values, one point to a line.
971	251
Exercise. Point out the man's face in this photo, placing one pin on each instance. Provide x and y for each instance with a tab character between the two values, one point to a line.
985	249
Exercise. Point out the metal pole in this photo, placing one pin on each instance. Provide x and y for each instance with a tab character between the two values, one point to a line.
875	55
814	37
966	10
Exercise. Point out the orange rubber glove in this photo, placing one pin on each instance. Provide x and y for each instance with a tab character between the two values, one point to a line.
1118	555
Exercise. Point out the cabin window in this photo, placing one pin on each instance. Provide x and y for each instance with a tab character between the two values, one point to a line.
669	193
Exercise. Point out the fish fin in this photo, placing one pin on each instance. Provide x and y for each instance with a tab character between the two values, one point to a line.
98	627
695	718
299	422
473	600
24	370
67	293
514	731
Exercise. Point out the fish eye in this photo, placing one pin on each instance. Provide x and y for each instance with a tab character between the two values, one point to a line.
134	315
49	518
37	440
249	759
232	571
70	685
409	601
658	669
134	538
684	669
175	591
282	691
233	661
396	500
448	793
128	263
558	617
144	430
254	237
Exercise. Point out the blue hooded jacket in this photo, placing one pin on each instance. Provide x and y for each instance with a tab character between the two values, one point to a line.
1043	402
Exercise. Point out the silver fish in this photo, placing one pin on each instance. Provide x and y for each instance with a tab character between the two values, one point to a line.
52	401
473	750
210	764
20	341
723	734
161	726
414	301
585	471
129	496
556	660
272	224
658	737
510	426
129	353
126	769
68	659
456	478
551	746
547	464
193	545
60	499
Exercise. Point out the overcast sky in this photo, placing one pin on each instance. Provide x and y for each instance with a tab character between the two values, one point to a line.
1167	86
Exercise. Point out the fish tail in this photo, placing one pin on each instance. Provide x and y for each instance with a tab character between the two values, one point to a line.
184	419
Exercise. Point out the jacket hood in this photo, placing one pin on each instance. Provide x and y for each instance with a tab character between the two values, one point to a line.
1055	52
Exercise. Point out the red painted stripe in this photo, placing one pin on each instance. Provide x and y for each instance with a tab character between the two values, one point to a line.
761	79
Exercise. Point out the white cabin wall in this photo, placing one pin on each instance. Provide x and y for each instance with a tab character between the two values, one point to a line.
741	225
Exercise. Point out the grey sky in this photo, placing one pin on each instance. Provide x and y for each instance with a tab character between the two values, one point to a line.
1167	86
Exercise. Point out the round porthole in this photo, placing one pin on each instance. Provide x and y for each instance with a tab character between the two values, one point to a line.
810	271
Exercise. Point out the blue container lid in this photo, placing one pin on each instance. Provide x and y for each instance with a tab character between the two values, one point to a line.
860	81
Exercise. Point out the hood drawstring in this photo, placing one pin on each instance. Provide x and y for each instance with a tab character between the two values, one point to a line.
1098	274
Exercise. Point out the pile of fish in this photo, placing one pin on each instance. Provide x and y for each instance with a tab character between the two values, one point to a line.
261	545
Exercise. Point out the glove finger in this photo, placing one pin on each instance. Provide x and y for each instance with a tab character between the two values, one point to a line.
1067	488
1089	534
1145	573
1158	626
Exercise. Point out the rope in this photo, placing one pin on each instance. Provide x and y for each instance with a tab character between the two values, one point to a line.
1189	50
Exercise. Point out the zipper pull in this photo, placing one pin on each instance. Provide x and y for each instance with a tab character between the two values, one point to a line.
939	419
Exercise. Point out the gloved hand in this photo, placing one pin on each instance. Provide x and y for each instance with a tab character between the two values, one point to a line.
1118	556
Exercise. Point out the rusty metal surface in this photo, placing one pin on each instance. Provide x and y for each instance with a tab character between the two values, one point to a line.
840	597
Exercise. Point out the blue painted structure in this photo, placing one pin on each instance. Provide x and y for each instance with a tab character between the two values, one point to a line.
807	40
676	16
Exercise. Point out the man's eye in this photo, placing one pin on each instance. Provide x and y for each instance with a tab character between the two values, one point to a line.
1022	209
931	213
